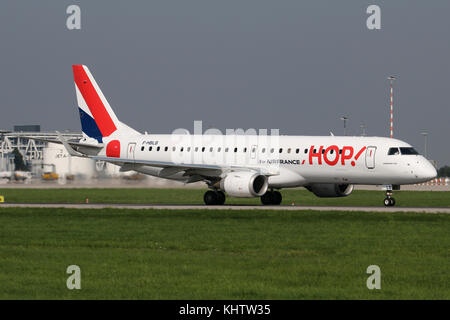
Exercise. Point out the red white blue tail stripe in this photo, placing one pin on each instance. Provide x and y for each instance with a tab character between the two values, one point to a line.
97	118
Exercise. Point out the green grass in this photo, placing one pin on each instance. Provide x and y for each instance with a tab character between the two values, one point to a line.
204	254
195	196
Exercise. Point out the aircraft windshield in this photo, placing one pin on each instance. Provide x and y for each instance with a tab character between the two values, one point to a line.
408	151
393	151
404	150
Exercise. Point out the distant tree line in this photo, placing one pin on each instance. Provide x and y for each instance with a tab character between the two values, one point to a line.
444	171
19	164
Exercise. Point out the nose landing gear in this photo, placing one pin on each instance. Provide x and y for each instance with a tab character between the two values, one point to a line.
389	201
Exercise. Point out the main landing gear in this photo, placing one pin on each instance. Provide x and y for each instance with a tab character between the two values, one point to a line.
213	198
389	201
271	198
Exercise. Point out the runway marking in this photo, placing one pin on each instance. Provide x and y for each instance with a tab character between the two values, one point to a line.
225	207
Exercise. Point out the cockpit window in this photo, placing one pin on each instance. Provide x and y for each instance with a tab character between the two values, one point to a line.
408	151
393	151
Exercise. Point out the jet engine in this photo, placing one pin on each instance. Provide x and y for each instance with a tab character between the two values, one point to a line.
244	184
330	190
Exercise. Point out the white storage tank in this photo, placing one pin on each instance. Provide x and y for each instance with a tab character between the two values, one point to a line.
56	159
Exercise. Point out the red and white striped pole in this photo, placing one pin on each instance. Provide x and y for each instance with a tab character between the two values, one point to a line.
391	79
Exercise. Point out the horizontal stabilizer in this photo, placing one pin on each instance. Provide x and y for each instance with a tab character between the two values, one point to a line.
69	149
71	143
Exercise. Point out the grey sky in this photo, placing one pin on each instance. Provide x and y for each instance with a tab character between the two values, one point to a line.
293	65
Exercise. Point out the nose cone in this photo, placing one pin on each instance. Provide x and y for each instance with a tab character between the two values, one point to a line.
426	171
432	172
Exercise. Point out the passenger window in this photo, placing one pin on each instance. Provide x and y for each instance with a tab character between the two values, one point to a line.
174	148
289	150
263	150
235	149
281	150
166	148
271	150
150	149
188	149
157	149
393	152
142	148
297	150
203	149
306	150
181	150
218	149
211	149
226	149
245	149
196	149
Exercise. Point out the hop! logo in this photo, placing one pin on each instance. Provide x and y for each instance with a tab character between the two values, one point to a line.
332	155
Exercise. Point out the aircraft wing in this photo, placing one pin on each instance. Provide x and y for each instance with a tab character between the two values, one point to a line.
191	169
169	168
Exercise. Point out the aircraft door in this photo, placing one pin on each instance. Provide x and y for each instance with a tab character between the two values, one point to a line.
130	150
370	157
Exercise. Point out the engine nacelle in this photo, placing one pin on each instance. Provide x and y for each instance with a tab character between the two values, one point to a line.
244	184
330	190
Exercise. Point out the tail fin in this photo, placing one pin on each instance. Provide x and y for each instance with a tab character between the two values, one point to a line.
98	120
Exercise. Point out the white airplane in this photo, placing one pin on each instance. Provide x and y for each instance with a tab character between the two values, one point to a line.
244	166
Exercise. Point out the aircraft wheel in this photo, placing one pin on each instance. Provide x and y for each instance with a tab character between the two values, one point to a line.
271	198
277	198
211	198
392	202
389	201
266	198
220	198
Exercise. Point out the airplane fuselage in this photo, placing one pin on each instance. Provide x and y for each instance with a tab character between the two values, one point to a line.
293	160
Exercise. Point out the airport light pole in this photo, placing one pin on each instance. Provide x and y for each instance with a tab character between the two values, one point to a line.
363	129
344	118
425	135
391	79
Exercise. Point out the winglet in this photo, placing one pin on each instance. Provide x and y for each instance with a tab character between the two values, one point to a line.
69	149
